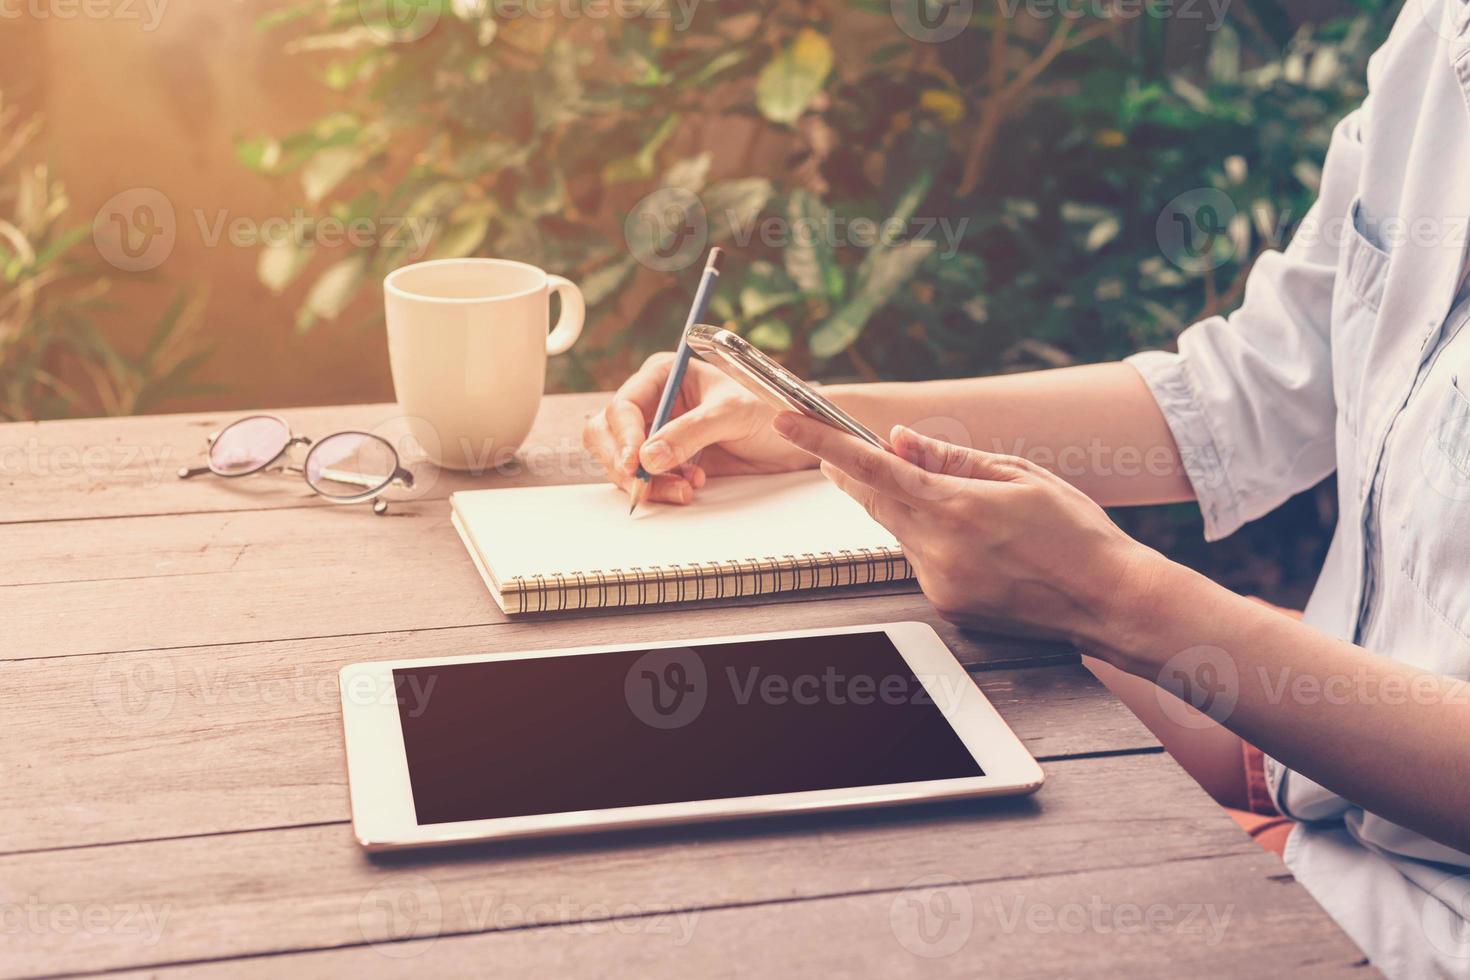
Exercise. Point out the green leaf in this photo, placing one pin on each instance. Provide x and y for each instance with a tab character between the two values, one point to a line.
490	156
539	198
261	155
280	263
773	335
285	15
1223	64
602	284
888	270
182	312
641	165
790	80
766	287
59	246
326	169
719	63
465	230
1101	233
359	36
808	257
331	293
689	174
557	95
732	207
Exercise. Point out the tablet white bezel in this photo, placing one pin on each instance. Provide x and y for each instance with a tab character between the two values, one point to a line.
382	798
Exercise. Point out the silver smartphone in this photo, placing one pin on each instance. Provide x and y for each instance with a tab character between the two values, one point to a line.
772	383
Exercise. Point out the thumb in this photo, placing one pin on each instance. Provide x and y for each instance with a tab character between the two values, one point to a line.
945	458
684	436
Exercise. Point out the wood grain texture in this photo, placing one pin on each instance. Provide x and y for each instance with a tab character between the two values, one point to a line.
193	742
307	888
173	790
82	587
91	468
147	583
1213	916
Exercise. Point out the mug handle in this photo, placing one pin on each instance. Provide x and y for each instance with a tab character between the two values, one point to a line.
573	312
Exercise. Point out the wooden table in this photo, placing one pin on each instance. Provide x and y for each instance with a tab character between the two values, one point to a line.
174	795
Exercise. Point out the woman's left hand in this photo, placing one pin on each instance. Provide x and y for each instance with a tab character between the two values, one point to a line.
995	540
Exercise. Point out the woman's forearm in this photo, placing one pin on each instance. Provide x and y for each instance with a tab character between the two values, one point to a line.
1337	713
1097	426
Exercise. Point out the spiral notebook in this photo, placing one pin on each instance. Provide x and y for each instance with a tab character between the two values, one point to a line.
546	549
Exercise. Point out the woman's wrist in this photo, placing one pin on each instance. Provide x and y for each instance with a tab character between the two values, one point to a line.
1137	607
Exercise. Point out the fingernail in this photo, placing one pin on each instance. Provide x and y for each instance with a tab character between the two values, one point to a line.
628	460
657	456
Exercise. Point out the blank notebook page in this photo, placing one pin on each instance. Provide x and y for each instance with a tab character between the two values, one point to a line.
563	530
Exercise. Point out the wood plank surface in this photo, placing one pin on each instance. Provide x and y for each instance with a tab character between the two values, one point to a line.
173	791
1213	916
214	897
116	467
193	743
81	587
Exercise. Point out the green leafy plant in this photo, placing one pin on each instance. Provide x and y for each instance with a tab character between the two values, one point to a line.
1050	147
54	360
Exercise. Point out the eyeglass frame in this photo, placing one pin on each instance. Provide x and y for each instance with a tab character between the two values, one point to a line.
400	477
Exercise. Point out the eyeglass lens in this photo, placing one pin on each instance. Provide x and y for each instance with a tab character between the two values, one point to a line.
350	464
247	445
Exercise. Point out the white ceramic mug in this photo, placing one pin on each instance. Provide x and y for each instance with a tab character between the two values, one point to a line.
468	344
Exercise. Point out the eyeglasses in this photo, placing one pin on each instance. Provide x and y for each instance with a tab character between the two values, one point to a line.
345	467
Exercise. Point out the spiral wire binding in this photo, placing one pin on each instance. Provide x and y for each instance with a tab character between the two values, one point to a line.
638	586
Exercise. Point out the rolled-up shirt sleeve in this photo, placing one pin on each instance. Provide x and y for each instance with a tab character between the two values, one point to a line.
1249	397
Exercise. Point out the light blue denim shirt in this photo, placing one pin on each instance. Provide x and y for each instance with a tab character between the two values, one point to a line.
1350	352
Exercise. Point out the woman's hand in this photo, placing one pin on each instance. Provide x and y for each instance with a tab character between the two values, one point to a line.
995	540
712	413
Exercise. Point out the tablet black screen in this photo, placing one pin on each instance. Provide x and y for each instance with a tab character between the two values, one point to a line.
552	734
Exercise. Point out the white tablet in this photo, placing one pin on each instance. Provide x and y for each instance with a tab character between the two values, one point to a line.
503	745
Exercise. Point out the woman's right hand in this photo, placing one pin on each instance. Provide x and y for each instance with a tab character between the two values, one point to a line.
712	414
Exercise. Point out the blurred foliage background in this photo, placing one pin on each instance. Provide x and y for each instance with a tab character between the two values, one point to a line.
54	360
1029	160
